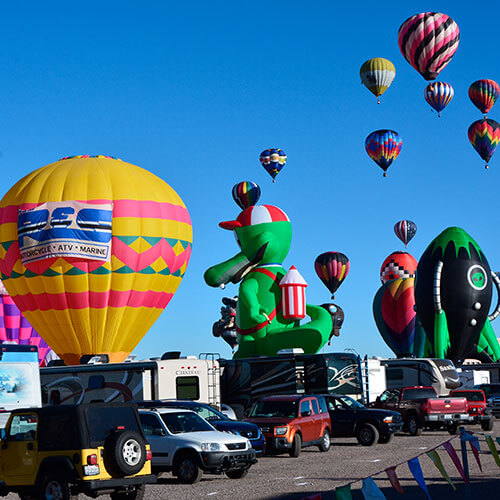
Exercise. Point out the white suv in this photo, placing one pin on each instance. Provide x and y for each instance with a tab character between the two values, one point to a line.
186	444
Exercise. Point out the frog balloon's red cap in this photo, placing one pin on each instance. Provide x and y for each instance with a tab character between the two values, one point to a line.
258	214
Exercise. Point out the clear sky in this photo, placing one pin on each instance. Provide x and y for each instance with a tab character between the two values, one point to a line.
194	91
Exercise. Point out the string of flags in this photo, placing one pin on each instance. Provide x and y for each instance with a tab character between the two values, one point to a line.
371	491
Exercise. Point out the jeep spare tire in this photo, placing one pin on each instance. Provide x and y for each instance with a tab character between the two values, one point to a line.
124	453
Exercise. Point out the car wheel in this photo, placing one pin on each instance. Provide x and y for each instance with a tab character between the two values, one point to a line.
54	488
325	441
412	426
136	494
188	471
367	434
452	429
296	446
487	425
237	473
385	438
124	453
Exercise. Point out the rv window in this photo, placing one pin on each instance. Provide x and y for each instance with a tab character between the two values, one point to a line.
394	373
187	388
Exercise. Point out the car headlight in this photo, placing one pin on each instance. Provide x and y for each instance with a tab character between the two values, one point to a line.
388	420
280	431
211	447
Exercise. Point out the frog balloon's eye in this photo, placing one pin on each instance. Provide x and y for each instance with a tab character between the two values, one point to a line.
477	277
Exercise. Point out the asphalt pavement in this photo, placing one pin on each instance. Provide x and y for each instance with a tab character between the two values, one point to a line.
284	478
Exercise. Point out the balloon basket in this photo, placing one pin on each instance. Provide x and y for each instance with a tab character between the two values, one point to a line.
385	174
274	180
378	101
486	166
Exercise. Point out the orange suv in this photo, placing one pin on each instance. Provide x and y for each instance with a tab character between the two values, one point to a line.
290	423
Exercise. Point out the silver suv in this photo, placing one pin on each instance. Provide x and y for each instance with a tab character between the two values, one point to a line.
185	444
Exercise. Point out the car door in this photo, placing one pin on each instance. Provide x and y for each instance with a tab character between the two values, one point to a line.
341	417
157	437
307	421
19	448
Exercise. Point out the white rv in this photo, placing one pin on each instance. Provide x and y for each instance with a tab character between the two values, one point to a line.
470	378
179	378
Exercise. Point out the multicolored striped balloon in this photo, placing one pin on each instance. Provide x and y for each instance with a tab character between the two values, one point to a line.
332	269
377	74
383	147
15	328
484	135
428	42
438	95
84	305
405	230
273	160
484	94
246	194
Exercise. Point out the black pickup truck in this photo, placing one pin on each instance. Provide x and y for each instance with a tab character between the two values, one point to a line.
352	419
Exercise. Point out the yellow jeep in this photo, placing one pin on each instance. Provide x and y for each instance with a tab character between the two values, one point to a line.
60	451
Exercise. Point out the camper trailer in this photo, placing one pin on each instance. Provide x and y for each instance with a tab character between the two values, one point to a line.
178	378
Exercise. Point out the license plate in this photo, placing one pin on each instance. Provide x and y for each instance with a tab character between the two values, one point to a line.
90	470
448	416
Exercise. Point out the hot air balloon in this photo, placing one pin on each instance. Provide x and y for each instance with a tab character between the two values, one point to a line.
428	42
383	147
377	75
332	269
246	194
484	135
398	265
273	160
405	230
92	250
438	95
396	319
484	94
15	328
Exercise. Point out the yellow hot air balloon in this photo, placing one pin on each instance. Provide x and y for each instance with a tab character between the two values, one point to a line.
377	75
92	250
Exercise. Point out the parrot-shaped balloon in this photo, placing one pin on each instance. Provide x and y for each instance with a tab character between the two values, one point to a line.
377	74
438	95
383	147
428	42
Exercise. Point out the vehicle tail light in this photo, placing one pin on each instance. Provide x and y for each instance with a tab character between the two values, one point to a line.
149	455
120	428
92	460
425	407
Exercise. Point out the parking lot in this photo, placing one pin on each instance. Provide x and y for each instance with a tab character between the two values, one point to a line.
282	477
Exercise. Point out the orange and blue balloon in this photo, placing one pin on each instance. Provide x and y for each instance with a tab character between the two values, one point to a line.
438	95
273	160
246	194
383	147
484	135
484	94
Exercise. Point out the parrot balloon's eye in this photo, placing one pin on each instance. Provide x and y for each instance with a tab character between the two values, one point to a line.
477	277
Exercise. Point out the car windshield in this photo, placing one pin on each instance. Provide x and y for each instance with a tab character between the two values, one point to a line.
351	403
209	414
280	409
178	423
409	394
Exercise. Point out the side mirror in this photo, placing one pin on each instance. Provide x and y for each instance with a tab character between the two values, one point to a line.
306	413
158	431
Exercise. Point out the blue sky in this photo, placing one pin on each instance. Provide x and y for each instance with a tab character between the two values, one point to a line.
194	91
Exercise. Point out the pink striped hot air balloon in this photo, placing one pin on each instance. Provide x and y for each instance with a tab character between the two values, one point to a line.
332	269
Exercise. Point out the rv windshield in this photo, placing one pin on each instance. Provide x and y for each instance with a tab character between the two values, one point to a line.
280	409
178	423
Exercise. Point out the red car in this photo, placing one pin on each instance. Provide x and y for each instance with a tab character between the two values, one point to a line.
478	409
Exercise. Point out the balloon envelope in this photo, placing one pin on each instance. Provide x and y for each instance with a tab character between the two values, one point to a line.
383	147
94	284
273	160
246	194
484	136
398	265
438	95
405	230
377	74
428	42
332	269
484	94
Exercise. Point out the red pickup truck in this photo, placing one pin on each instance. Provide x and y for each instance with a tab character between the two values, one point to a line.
421	407
478	408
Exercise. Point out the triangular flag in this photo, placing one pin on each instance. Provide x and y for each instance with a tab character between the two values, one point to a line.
343	493
453	455
434	456
474	444
393	478
493	449
416	470
371	491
